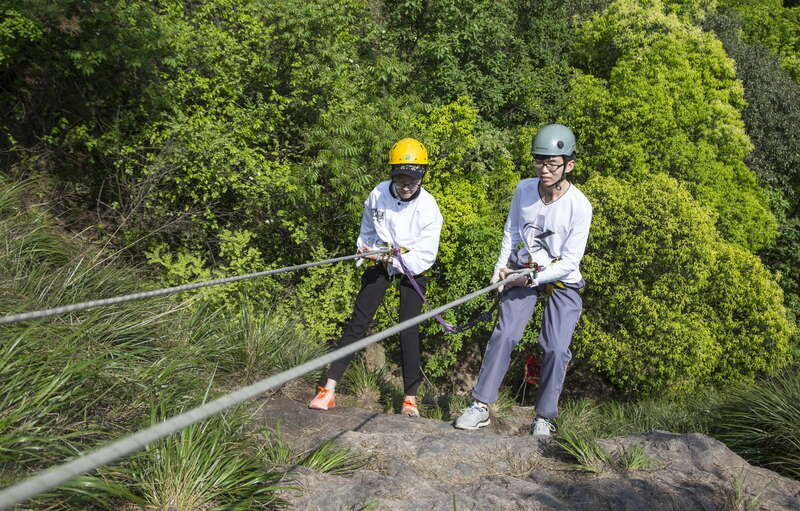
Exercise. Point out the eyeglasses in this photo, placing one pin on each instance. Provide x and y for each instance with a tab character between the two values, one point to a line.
550	165
406	186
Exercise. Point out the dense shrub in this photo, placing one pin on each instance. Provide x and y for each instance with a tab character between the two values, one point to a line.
774	24
669	305
658	94
771	118
491	51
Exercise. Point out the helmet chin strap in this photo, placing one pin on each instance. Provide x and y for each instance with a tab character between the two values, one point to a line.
557	184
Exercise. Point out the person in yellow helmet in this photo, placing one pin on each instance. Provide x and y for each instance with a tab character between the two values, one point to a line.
399	213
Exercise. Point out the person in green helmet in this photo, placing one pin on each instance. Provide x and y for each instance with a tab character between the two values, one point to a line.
547	227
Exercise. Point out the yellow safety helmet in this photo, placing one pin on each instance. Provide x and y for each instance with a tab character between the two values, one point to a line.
408	151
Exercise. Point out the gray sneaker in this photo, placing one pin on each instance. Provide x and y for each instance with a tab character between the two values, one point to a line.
474	417
542	427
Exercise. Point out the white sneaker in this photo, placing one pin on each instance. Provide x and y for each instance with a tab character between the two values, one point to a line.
474	417
542	427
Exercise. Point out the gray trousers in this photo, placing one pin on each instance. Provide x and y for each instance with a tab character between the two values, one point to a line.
516	308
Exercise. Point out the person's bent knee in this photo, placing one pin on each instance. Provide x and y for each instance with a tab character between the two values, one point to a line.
563	355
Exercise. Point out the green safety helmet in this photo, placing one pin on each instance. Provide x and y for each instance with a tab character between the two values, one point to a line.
554	140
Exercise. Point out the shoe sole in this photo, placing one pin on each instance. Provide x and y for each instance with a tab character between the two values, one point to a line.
316	407
473	428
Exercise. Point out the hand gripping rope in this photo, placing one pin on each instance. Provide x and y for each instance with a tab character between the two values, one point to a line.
60	474
13	318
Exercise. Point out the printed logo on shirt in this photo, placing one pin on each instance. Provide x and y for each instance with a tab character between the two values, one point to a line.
536	239
378	215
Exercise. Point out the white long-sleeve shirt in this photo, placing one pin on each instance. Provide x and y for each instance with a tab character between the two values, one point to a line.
414	225
551	235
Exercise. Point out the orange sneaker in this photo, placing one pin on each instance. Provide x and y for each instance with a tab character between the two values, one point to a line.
323	400
410	409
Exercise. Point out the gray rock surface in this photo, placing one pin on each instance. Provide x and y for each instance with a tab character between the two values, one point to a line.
427	464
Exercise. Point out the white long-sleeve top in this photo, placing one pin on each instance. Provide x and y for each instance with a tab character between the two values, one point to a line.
551	235
414	225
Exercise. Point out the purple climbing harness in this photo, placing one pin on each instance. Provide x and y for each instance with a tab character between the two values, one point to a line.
451	329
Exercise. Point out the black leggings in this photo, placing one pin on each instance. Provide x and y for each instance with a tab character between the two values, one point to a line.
374	283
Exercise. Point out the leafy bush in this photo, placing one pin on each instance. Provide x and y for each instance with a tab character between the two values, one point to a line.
658	94
490	51
670	306
774	25
771	119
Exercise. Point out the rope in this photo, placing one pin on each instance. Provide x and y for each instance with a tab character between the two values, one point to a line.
55	476
447	327
13	318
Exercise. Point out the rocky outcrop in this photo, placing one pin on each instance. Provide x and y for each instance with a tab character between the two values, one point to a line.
427	464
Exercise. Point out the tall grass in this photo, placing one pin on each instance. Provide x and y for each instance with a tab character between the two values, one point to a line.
688	414
762	423
35	401
327	457
209	466
61	377
70	382
258	345
590	455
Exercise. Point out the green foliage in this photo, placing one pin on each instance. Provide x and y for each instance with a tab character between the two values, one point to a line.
235	256
772	113
61	378
274	449
76	81
254	345
760	422
590	455
671	306
658	95
757	420
203	466
692	10
324	297
782	257
361	381
771	119
771	24
15	30
331	458
71	381
634	457
490	51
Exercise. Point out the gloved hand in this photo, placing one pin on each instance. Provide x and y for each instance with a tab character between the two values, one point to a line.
373	257
496	278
